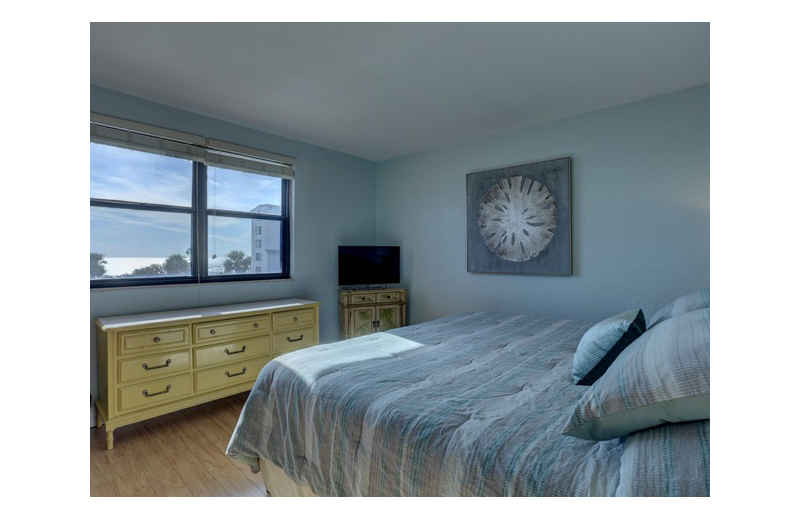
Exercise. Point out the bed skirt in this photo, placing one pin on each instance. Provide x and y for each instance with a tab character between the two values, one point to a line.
279	485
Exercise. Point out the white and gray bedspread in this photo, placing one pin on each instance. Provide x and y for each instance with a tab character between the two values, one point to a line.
468	405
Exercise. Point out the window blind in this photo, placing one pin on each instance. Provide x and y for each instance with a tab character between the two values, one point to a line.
212	152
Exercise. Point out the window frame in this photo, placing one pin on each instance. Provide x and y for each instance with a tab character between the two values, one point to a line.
200	214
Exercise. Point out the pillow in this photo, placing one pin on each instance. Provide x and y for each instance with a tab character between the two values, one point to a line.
603	343
663	376
690	302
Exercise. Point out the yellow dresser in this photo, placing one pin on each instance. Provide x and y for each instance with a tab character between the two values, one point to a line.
157	363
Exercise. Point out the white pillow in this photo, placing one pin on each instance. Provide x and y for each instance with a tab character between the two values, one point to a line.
663	376
687	303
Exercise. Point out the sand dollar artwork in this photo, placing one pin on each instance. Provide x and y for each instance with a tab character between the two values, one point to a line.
517	218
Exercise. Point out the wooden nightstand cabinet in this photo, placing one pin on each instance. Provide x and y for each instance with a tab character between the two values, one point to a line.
366	311
157	363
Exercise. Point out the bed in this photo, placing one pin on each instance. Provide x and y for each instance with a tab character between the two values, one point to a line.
491	404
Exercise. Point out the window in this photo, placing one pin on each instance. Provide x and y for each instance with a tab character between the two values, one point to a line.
174	208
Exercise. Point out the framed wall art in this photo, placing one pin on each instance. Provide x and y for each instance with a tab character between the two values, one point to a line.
519	219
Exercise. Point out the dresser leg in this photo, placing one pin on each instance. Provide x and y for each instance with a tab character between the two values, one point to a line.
109	439
98	421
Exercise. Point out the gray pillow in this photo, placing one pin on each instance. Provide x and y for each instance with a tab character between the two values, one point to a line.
687	303
663	376
602	343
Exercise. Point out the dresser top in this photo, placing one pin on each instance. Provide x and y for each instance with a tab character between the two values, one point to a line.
217	311
369	290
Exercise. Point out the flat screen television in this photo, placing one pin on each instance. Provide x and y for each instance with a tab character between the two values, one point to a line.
369	265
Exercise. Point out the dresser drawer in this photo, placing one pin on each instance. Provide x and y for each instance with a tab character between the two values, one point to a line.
163	338
153	393
153	367
225	329
355	299
292	340
389	297
230	352
229	375
289	320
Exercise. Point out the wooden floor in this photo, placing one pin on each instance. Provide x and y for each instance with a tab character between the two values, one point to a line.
180	454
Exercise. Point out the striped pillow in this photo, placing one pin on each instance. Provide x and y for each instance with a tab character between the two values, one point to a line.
603	343
690	302
664	376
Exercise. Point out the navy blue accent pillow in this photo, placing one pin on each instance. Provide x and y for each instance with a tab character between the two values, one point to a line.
602	343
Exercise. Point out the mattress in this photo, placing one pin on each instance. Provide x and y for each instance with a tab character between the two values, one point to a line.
469	405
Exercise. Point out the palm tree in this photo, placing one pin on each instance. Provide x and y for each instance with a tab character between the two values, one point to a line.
176	264
97	264
237	262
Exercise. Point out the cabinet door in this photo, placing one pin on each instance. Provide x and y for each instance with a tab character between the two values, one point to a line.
362	321
388	317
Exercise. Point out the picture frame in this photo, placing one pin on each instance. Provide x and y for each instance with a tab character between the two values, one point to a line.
519	219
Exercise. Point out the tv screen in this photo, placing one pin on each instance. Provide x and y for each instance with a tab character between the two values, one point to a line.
369	265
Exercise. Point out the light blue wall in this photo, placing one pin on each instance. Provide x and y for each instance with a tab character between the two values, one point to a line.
640	196
640	218
334	203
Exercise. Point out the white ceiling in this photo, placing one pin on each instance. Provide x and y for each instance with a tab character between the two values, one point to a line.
383	90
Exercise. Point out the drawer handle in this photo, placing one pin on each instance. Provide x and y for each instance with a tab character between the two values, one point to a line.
212	332
156	339
255	325
146	394
237	374
165	365
293	340
244	347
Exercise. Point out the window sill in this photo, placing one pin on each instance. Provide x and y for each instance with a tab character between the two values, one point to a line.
189	284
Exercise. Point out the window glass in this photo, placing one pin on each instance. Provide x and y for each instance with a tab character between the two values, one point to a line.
129	175
240	191
231	246
139	244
